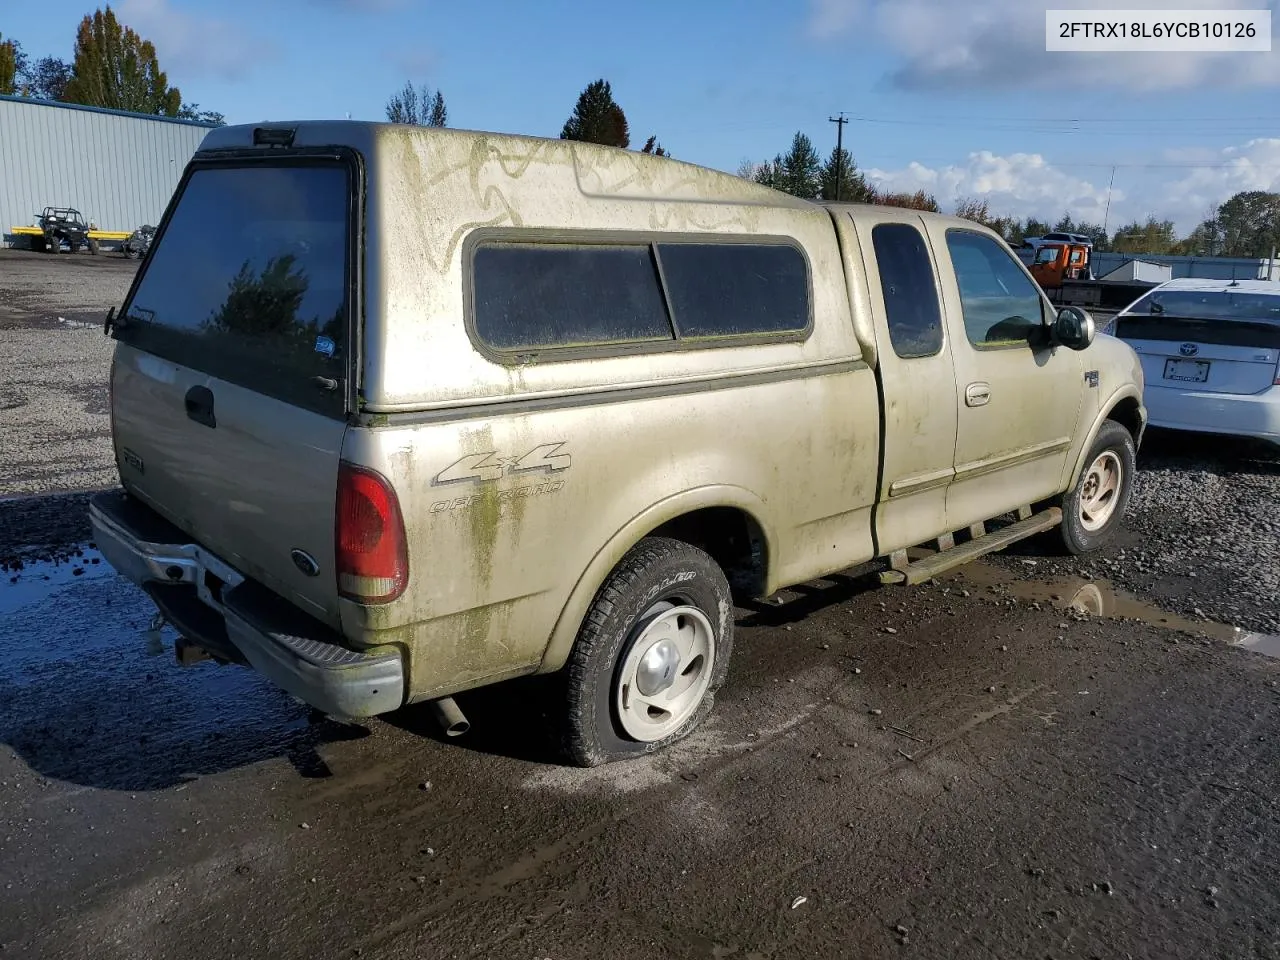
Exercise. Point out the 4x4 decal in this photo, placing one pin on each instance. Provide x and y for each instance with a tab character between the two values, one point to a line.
486	467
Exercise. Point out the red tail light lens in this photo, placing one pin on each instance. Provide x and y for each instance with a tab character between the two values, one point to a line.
372	553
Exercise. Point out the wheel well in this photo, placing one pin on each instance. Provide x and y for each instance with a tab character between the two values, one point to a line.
732	538
1128	414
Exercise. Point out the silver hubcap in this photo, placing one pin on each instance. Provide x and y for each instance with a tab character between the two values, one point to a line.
1101	491
666	671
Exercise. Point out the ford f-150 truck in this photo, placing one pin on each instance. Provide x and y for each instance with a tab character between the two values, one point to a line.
400	412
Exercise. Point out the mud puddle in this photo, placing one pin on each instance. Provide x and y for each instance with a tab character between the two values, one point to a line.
1099	598
30	582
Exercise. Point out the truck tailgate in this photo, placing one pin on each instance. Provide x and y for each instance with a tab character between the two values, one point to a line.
228	394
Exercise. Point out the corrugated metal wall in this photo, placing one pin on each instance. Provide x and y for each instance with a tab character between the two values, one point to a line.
117	169
1205	268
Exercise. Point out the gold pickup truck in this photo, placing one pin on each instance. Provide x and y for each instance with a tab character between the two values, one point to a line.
400	412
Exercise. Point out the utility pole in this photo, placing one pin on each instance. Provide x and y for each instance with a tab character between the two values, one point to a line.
1107	215
839	121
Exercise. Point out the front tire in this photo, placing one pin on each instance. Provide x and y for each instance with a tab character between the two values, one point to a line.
1094	508
653	650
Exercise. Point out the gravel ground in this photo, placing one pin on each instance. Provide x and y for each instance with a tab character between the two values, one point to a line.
926	773
54	419
1202	539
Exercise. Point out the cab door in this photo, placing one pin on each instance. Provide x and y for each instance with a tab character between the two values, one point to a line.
1018	398
916	379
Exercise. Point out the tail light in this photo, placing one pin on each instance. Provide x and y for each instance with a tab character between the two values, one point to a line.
372	553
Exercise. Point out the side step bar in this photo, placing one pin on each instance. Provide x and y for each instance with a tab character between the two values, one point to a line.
929	567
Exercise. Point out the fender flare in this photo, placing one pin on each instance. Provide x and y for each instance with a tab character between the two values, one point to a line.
1127	392
632	532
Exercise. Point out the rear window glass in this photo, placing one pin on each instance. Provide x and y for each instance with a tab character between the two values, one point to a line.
531	296
249	281
732	289
910	293
1209	305
1231	333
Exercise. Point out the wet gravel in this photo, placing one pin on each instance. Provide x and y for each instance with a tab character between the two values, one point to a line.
54	418
1202	538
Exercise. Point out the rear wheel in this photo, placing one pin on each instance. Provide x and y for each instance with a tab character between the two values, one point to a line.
1094	508
652	652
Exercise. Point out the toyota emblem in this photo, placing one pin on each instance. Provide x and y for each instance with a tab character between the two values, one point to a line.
1188	349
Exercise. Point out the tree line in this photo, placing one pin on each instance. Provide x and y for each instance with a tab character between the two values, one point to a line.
1246	225
111	66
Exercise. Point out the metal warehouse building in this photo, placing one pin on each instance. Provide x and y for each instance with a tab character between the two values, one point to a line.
118	169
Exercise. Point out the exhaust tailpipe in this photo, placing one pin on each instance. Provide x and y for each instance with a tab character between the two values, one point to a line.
450	717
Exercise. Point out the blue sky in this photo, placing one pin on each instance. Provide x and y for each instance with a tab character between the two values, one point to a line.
958	107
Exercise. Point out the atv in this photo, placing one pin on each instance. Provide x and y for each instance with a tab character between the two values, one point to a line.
63	225
139	242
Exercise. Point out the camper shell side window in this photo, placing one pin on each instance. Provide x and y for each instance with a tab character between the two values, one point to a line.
535	296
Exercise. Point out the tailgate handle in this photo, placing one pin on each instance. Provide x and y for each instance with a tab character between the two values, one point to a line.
199	403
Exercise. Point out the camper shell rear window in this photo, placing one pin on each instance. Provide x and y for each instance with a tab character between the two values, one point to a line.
248	279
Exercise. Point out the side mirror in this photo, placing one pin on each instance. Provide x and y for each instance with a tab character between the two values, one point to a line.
1074	328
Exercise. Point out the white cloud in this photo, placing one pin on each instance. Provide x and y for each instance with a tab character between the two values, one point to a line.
191	44
1000	44
1023	185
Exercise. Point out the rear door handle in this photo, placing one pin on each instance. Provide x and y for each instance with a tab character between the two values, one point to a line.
199	404
977	394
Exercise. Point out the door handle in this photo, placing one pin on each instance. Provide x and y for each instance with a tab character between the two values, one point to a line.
977	394
199	404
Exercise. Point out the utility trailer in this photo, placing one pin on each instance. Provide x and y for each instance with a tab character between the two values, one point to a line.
56	226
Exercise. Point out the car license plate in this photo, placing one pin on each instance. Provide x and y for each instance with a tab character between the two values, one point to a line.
1195	371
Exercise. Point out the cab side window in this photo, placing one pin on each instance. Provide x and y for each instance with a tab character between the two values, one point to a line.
1001	305
910	293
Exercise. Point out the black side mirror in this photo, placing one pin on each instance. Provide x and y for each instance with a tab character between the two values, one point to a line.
1074	328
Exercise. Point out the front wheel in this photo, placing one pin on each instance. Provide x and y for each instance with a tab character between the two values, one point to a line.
1094	508
652	651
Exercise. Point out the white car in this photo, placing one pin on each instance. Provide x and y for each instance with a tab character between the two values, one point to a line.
1210	353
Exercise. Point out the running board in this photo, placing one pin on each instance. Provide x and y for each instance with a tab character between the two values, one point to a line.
929	567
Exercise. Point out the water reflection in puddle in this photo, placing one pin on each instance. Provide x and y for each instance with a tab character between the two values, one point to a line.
1099	598
37	580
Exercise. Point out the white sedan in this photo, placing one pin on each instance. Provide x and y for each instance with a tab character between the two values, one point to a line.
1210	354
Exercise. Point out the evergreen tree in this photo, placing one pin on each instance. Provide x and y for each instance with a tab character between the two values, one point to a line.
116	68
597	118
801	170
654	147
853	185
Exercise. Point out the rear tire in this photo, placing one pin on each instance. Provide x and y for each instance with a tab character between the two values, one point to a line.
1093	510
652	651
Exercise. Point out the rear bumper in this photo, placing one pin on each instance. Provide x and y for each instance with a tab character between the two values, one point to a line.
1254	415
243	622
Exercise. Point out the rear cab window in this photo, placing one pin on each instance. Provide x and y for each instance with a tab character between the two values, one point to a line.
249	280
910	291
